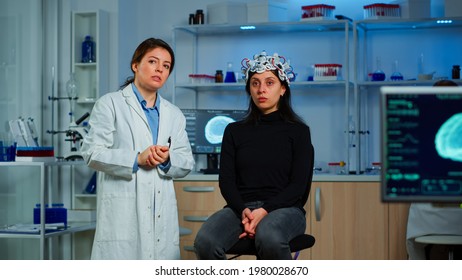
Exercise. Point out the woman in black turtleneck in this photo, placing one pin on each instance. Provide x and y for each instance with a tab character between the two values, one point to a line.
264	169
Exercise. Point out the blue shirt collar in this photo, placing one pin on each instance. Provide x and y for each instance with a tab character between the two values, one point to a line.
143	102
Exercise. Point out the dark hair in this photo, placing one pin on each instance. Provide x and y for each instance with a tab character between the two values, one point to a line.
445	83
284	106
142	49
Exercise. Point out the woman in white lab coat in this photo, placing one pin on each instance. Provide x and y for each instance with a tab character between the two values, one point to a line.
138	144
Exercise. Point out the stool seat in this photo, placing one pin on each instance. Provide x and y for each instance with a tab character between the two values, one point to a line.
246	246
440	239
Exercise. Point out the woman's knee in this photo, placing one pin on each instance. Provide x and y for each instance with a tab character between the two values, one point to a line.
204	239
269	238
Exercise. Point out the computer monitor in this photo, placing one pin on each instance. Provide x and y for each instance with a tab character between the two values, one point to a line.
205	130
421	144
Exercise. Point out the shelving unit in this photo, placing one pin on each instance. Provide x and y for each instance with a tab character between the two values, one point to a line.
194	43
92	78
93	82
19	194
431	35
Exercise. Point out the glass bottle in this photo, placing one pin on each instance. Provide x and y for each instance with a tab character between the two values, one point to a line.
191	18
88	50
72	86
199	18
420	65
72	89
456	71
219	76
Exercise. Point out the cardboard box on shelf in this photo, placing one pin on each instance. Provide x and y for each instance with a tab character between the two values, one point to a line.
227	13
414	8
452	8
267	11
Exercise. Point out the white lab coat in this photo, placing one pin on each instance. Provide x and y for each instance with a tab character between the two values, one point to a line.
426	219
127	226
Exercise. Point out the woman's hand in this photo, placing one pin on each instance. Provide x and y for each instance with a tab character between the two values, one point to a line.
153	156
246	218
250	220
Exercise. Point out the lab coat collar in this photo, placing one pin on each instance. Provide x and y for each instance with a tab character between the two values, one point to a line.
132	101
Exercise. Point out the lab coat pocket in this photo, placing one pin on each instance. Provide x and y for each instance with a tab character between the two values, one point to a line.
118	217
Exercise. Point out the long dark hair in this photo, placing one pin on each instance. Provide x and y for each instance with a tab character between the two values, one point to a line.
284	105
142	49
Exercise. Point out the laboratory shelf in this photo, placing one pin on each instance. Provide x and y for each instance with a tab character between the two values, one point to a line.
396	83
405	24
271	27
26	183
241	86
403	39
72	227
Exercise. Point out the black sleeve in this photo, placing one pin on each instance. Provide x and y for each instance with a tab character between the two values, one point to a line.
227	177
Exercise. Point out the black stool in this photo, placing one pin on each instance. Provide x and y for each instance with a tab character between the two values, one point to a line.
246	246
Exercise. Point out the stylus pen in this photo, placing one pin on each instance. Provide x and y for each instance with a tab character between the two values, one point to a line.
169	141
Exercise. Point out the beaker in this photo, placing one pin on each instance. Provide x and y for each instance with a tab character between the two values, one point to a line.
396	75
230	76
378	74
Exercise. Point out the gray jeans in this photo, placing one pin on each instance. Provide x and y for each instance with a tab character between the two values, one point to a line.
221	231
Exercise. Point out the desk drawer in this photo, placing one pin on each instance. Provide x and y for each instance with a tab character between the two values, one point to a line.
199	196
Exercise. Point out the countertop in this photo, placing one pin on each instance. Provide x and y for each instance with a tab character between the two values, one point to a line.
323	177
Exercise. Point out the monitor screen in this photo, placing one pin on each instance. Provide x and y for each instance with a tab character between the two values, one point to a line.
206	127
421	144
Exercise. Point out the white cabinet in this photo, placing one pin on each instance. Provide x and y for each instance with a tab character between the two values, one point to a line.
418	45
23	185
92	82
92	77
324	105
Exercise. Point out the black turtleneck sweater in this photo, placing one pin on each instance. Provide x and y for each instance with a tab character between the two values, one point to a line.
268	162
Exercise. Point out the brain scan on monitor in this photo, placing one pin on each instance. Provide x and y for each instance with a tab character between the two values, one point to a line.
448	140
215	128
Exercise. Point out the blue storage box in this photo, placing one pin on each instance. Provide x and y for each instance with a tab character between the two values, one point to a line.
7	152
54	214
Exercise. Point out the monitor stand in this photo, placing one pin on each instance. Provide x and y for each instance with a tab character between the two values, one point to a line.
212	164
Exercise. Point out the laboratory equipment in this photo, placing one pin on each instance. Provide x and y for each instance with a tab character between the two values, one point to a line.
318	12
456	72
77	130
327	72
378	74
88	50
396	75
230	76
380	10
219	76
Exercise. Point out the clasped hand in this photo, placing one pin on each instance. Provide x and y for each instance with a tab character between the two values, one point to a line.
250	220
153	156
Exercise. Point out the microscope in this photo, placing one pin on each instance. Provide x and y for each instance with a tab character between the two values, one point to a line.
75	135
77	130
